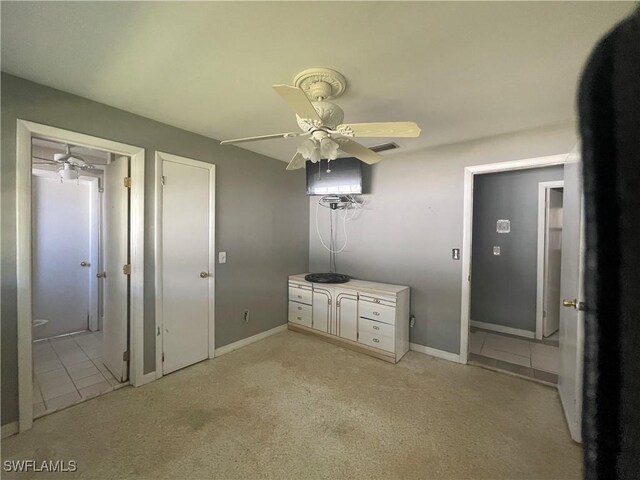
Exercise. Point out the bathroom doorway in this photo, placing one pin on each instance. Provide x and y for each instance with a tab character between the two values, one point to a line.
77	344
75	222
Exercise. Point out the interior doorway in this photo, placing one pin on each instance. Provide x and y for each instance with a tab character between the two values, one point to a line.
550	222
64	266
571	323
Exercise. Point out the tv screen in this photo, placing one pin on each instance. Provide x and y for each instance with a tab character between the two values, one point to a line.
345	177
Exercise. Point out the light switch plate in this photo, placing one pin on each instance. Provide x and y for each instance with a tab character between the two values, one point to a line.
222	257
496	250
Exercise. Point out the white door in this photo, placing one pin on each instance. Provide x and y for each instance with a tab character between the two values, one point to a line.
553	260
347	314
322	310
571	317
187	273
61	254
116	255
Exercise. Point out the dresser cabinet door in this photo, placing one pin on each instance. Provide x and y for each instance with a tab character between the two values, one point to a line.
322	309
347	315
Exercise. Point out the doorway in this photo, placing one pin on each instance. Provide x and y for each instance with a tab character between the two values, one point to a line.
69	327
550	222
504	273
185	262
571	328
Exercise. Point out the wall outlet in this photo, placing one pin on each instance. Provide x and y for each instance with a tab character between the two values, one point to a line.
245	316
412	320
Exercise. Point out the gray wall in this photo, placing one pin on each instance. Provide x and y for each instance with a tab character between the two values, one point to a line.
413	218
503	288
261	217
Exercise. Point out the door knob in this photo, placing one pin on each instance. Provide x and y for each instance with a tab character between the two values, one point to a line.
101	274
204	274
84	264
573	303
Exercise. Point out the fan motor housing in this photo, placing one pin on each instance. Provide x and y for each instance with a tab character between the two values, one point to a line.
330	113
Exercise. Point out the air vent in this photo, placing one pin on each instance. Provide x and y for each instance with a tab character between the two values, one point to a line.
384	147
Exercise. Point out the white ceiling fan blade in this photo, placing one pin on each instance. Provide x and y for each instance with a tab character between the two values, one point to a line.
261	137
380	129
296	162
360	151
298	101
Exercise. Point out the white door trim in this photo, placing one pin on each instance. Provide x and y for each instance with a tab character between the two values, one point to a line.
467	224
159	158
25	130
542	208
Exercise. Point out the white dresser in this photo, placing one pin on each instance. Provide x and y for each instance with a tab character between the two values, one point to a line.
370	317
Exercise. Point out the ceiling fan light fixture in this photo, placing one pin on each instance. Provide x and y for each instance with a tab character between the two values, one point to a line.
328	148
309	150
68	172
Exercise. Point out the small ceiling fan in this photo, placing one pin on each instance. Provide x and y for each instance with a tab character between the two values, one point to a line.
321	121
69	164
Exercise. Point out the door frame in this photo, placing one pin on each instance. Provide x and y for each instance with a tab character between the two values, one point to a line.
25	130
467	229
159	158
542	248
94	237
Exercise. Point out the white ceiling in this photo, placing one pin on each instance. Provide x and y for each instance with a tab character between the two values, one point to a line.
460	70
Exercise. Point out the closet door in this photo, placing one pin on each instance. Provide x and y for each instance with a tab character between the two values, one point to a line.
187	267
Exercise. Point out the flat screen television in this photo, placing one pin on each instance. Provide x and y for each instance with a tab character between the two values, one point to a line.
345	177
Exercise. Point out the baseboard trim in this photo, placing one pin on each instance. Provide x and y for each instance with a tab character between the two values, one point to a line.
503	329
434	352
248	341
9	429
146	378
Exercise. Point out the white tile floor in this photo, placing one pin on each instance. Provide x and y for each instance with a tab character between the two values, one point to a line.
68	370
516	351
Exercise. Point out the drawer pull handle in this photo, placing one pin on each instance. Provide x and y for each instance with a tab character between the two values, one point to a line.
375	300
376	328
299	318
376	340
377	314
299	308
299	296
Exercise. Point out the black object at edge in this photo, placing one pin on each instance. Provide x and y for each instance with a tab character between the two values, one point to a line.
327	278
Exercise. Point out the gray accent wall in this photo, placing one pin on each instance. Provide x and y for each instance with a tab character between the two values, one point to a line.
503	287
261	217
413	218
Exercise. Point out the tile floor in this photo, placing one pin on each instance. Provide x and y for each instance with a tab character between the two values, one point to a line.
536	359
68	370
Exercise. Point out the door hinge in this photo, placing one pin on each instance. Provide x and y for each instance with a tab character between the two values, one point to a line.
126	269
162	180
127	182
163	356
125	356
544	314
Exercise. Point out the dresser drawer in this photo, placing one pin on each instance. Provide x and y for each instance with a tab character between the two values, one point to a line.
377	311
300	295
300	314
376	328
382	342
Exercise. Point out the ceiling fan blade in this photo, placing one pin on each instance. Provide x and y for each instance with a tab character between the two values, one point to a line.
296	162
298	101
380	129
262	137
360	151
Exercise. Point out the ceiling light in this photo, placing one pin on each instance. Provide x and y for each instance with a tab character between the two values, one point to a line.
68	172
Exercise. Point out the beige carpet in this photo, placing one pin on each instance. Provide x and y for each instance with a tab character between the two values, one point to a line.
293	406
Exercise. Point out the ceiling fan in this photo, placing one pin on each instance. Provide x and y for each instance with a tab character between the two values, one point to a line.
69	164
321	121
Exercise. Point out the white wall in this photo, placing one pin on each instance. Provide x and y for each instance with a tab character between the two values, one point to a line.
413	218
